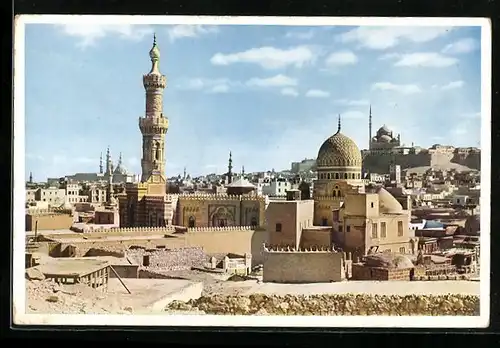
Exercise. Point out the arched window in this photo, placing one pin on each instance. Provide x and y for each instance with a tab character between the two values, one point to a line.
329	175
191	222
336	175
334	193
253	221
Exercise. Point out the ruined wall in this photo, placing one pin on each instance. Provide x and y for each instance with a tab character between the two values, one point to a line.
302	266
125	271
329	305
361	272
169	260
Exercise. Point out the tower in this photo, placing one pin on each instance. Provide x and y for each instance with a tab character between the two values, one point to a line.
339	125
153	125
370	129
109	163
242	171
100	165
230	169
31	178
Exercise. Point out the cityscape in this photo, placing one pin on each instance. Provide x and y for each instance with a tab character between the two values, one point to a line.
258	214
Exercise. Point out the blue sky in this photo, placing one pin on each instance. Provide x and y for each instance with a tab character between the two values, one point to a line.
270	94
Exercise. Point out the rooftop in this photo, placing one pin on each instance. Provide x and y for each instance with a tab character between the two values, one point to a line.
72	267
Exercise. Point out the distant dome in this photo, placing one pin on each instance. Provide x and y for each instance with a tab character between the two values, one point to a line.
339	151
387	203
120	169
384	130
385	139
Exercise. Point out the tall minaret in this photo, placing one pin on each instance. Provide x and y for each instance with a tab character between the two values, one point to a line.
242	170
339	125
100	165
109	163
31	178
370	128
230	169
154	124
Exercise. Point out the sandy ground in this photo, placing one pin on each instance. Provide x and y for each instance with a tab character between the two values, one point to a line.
369	287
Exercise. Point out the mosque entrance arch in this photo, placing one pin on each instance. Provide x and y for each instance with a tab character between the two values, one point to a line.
222	217
191	222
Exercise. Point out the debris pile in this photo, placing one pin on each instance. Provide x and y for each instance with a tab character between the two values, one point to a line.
345	304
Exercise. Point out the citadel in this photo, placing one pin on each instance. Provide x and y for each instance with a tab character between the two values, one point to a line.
323	221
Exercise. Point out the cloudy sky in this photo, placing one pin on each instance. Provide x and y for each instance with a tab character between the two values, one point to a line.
269	94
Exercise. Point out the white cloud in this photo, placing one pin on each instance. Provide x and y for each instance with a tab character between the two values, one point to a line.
341	58
349	102
317	93
189	31
453	85
404	89
275	81
268	57
426	59
289	92
221	85
301	35
353	114
222	88
89	33
385	37
465	45
472	115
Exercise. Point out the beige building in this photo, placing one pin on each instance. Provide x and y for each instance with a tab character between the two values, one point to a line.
52	196
373	222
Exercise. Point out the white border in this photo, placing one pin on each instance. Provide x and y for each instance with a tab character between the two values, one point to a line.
21	318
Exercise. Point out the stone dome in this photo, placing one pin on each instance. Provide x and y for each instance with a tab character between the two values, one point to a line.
387	203
385	139
384	130
339	151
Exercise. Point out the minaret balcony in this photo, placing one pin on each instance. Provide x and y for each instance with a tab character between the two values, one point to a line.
153	124
154	81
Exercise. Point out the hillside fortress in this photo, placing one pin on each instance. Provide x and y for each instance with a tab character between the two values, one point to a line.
385	148
148	204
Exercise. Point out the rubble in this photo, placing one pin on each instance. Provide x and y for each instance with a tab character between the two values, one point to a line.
345	304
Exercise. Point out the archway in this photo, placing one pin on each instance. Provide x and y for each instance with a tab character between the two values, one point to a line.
222	218
191	222
253	221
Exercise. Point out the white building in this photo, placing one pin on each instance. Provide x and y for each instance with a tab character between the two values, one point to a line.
276	187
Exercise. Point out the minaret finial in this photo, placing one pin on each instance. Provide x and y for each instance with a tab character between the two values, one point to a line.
338	130
154	39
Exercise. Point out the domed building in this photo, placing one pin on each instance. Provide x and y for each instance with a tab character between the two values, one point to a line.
384	139
338	167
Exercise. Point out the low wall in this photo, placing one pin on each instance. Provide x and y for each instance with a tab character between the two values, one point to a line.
361	272
345	304
177	259
303	266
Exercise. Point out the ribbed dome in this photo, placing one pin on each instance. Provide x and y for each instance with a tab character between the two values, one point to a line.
385	139
387	203
339	151
384	130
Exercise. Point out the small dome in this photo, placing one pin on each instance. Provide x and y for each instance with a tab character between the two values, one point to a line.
154	53
387	203
384	130
339	151
120	169
385	139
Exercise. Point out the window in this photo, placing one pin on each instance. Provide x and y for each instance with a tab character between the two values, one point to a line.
340	228
371	204
336	175
278	227
191	222
253	222
324	222
348	228
374	231
383	230
329	175
402	250
400	228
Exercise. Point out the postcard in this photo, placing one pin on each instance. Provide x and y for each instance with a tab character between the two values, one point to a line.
244	171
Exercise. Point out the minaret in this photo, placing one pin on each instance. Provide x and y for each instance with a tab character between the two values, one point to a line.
370	129
31	178
242	171
339	125
100	164
154	124
230	169
109	163
184	177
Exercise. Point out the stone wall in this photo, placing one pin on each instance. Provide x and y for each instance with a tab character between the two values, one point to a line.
169	260
49	221
348	304
361	272
302	266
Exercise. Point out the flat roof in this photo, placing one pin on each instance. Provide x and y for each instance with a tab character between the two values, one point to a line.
72	267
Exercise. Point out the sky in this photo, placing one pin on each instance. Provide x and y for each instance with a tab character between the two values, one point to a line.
269	94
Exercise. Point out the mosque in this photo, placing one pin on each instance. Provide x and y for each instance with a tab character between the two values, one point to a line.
148	202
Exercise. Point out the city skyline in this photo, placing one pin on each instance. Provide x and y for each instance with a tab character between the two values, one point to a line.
285	85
